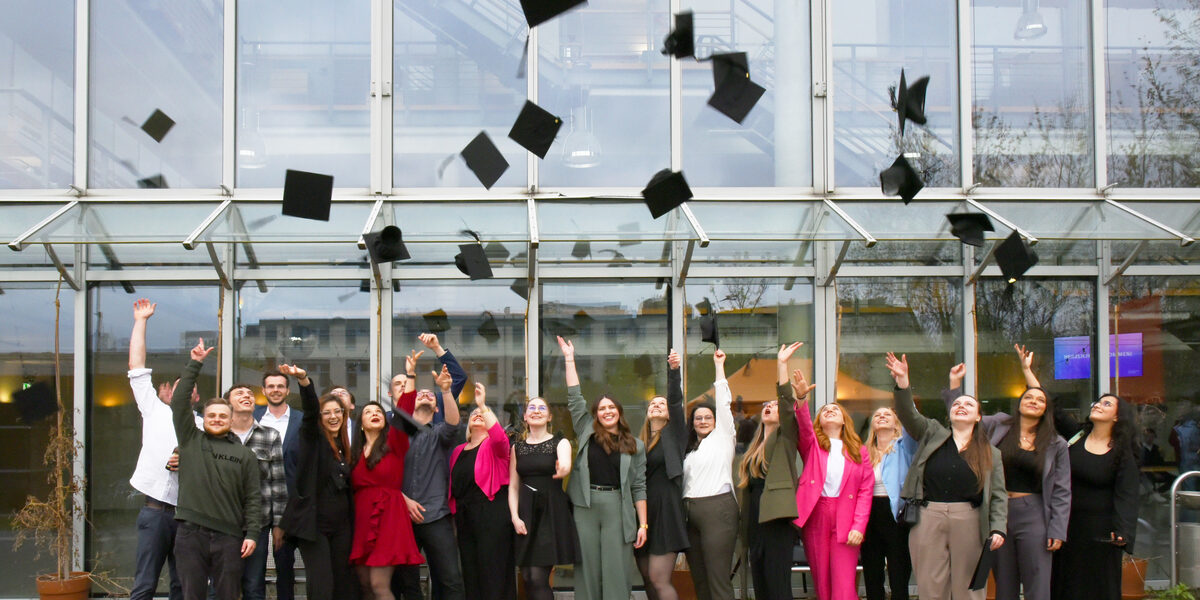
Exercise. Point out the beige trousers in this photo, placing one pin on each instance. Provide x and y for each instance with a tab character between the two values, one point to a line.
945	546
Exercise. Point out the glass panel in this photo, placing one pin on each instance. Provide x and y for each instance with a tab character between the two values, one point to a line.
148	56
323	327
1054	318
262	222
37	94
718	151
608	220
1157	253
872	41
744	253
115	430
1032	91
599	67
27	357
455	74
1152	54
1085	220
486	333
918	317
126	222
899	253
754	316
1158	322
791	220
915	221
444	221
1183	215
304	86
116	256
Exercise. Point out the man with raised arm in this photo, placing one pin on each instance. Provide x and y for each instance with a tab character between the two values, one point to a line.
220	503
286	422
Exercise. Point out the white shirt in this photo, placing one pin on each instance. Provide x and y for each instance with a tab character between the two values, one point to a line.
834	469
880	487
151	476
707	471
279	424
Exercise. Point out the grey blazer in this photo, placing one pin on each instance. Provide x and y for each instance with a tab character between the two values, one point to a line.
1056	473
633	467
930	435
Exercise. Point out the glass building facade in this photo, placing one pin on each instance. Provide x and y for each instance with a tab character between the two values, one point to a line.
1072	123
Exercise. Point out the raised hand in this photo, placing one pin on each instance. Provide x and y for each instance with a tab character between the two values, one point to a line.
294	371
786	350
443	379
957	373
480	395
410	361
719	359
431	341
673	360
800	386
1026	357
899	370
568	349
199	353
143	309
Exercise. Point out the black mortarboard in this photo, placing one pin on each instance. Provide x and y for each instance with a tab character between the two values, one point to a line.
540	11
969	227
901	179
987	559
386	245
484	160
909	101
581	249
1015	257
472	259
405	422
157	125
708	329
681	42
307	195
496	251
735	96
35	402
520	287
729	62
436	321
535	129
488	329
666	190
153	182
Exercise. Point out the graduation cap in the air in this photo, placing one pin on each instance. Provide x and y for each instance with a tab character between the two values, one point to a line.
488	329
472	260
909	101
708	329
436	321
1015	257
969	227
484	160
535	129
307	195
386	245
901	179
153	182
408	424
35	402
540	11
666	190
157	125
735	95
681	42
726	63
520	287
581	249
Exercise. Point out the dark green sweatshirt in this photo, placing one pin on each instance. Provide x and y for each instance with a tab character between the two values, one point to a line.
218	476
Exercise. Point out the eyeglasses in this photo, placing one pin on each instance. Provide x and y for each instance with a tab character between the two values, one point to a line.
1104	403
536	408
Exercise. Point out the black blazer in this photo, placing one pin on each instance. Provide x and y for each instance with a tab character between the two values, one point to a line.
316	462
673	438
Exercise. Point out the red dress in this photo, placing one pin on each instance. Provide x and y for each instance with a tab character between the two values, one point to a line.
383	534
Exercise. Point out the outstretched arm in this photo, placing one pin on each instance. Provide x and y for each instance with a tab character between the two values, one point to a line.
677	422
1026	357
902	402
143	309
724	415
308	399
181	400
568	350
806	434
445	382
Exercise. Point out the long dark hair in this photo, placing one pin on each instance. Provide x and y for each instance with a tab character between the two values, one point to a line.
379	449
338	441
693	440
1124	432
1044	432
623	441
978	453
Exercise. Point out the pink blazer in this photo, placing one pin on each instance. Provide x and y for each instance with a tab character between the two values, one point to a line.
491	464
853	504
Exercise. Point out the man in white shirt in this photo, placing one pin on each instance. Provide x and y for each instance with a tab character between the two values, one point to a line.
156	520
286	421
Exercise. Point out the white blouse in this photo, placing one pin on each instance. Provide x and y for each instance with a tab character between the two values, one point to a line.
707	470
833	470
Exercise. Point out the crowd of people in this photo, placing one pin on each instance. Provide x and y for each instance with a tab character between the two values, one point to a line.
368	494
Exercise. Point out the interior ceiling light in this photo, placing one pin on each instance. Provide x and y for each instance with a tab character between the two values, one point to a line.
1030	25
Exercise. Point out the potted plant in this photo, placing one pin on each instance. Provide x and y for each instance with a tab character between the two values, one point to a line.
1133	577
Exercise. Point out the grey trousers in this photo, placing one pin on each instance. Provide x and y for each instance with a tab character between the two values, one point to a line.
945	545
712	532
1023	560
604	568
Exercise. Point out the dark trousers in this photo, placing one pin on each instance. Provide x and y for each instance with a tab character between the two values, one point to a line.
770	557
436	540
327	566
155	545
254	572
712	531
406	582
885	540
485	538
1023	562
201	554
285	570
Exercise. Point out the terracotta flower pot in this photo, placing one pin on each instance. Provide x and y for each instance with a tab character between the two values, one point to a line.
75	587
1133	578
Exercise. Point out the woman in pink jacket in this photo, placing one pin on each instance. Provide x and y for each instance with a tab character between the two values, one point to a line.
833	497
479	502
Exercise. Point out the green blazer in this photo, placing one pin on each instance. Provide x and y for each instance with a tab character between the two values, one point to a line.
930	435
779	491
633	467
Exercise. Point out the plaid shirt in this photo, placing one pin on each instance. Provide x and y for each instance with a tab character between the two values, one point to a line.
265	443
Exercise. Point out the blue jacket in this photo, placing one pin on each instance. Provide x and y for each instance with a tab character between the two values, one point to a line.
894	468
291	446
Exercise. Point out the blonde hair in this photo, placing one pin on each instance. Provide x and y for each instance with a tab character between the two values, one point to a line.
754	461
873	444
851	443
650	438
525	426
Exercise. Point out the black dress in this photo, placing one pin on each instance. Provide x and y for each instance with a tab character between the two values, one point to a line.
485	534
544	507
664	507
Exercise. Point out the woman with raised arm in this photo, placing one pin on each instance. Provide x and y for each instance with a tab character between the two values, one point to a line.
539	508
767	480
664	433
833	496
957	479
608	489
1037	475
891	449
479	502
320	516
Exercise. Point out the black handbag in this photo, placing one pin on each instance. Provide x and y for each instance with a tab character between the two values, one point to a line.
910	511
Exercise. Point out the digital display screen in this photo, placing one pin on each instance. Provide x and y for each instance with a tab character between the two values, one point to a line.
1073	356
